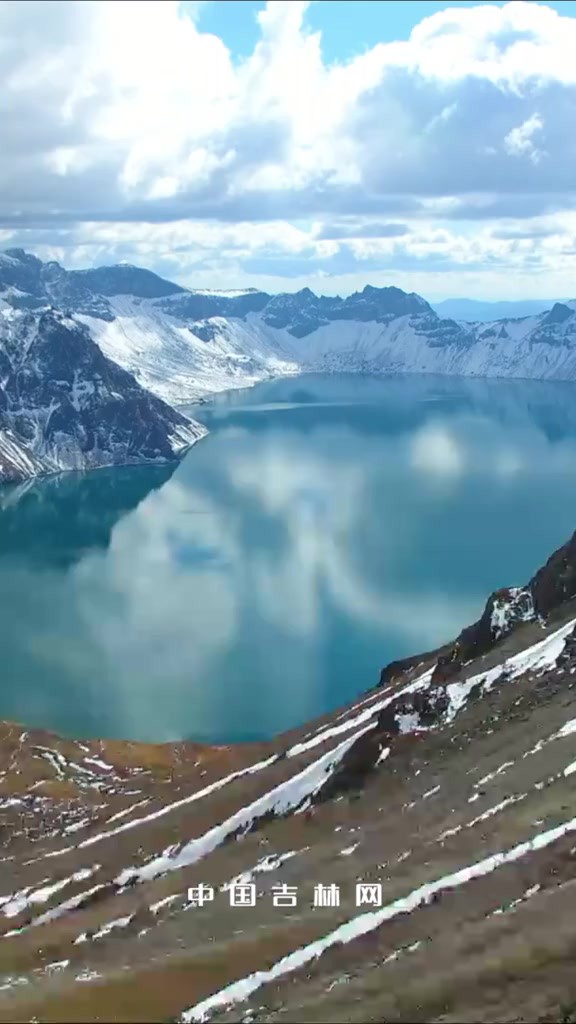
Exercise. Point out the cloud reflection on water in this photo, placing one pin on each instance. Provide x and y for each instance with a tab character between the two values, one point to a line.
285	562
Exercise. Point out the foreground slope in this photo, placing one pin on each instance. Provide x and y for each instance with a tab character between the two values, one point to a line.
451	784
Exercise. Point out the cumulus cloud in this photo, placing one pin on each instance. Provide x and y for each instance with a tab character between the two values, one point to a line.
520	140
143	128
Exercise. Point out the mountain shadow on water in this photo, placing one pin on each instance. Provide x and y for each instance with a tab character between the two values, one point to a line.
55	520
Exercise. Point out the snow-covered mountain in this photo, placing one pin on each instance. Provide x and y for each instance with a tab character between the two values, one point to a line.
179	344
65	405
182	345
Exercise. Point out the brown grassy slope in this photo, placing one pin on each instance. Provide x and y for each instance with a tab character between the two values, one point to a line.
497	948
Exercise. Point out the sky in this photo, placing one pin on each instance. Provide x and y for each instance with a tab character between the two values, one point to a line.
284	144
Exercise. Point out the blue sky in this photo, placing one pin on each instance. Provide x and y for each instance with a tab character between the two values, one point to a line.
348	27
291	143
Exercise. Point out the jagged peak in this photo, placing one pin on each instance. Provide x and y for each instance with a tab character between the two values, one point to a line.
21	255
558	314
390	289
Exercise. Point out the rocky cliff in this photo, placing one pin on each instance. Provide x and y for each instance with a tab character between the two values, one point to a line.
65	405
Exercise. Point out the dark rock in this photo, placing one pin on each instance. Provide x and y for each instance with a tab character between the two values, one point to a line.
64	405
396	669
568	654
555	582
356	765
504	611
197	306
124	279
423	709
303	312
557	315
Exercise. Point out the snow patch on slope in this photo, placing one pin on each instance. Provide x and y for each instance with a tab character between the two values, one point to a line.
538	658
296	792
510	607
169	359
241	990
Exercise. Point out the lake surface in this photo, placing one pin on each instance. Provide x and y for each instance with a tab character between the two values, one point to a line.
327	525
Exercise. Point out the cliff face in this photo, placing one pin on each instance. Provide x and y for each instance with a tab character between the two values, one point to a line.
555	582
438	807
64	405
551	587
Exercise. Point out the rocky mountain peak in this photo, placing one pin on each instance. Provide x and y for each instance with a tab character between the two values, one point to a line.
124	279
558	314
388	302
22	256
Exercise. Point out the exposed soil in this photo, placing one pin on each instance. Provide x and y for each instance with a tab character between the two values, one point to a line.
96	924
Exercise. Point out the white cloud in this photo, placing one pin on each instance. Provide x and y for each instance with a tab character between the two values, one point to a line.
320	515
520	140
124	136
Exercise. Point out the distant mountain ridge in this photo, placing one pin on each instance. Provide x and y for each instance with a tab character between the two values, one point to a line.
474	310
180	345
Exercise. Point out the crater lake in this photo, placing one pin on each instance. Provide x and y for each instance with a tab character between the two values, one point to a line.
326	526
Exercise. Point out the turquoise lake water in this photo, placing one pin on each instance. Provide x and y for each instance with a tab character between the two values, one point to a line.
327	525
